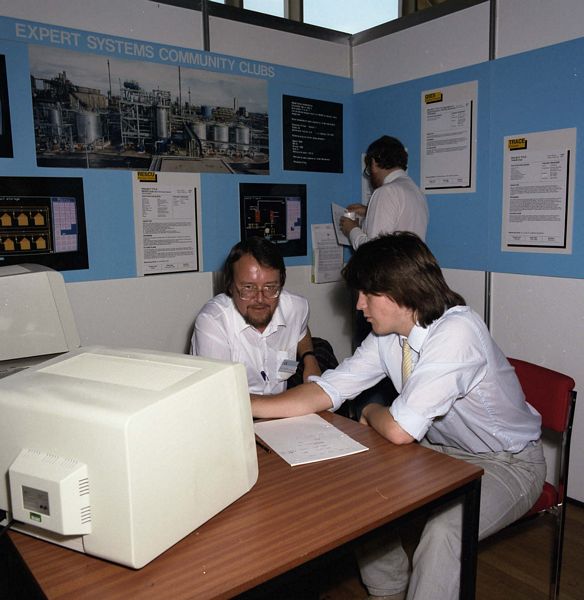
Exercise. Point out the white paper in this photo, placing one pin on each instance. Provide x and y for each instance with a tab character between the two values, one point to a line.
307	439
327	254
538	193
338	211
448	139
166	222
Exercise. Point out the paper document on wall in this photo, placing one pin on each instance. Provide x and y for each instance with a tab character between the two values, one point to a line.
327	259
307	439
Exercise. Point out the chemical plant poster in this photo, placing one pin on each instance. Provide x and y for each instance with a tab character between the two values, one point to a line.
109	109
449	139
538	191
312	135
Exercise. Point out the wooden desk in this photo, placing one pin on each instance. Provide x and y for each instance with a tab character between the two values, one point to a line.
292	515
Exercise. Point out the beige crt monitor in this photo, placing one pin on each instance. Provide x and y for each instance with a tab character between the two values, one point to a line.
121	453
36	320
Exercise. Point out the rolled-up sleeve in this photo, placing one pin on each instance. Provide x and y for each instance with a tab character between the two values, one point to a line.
355	374
449	367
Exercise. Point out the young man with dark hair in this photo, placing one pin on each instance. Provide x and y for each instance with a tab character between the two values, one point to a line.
256	322
458	394
397	204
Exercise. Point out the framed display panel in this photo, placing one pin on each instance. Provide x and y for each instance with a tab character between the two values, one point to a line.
277	212
42	221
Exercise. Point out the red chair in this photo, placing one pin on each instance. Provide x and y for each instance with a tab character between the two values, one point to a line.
552	394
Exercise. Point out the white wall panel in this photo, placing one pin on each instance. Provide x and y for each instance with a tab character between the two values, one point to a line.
155	312
524	25
138	19
279	47
331	308
470	285
158	312
541	319
457	40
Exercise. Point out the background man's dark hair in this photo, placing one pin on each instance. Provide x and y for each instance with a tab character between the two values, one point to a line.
264	251
401	266
388	153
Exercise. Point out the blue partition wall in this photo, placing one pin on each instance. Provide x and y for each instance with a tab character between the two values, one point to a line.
536	91
108	193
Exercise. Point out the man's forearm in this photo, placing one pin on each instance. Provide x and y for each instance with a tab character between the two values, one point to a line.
379	417
302	400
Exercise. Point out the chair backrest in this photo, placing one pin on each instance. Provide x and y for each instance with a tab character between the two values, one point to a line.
549	392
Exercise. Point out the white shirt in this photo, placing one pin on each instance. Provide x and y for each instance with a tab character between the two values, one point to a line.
462	391
397	205
221	332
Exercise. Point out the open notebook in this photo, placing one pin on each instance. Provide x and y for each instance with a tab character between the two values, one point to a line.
302	440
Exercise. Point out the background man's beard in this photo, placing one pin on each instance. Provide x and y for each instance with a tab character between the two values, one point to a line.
258	322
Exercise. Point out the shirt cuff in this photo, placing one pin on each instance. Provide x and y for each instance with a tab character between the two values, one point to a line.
354	234
410	421
329	390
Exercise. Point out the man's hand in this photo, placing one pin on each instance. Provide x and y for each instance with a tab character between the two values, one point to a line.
359	209
347	225
300	400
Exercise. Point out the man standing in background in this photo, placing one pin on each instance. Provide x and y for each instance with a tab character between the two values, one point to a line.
397	203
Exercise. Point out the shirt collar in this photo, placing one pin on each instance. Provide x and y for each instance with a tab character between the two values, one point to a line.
393	176
416	338
418	333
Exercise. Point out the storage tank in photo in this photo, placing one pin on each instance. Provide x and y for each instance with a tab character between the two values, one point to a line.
221	136
162	122
56	120
200	130
88	127
242	135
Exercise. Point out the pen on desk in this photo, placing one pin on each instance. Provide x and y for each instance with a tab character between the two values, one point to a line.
263	446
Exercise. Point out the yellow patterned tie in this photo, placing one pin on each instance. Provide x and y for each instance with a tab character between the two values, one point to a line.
406	361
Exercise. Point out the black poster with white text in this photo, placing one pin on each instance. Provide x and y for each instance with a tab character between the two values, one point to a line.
312	135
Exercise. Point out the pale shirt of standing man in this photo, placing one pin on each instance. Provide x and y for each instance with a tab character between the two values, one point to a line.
397	203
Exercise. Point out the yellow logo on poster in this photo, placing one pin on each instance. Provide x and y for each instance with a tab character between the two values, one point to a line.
433	97
517	144
147	176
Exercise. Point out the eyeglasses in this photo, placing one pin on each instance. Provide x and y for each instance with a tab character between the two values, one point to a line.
248	292
367	169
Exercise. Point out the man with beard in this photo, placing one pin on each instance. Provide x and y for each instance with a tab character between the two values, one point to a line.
256	322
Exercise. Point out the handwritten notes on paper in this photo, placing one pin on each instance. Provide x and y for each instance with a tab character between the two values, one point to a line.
307	439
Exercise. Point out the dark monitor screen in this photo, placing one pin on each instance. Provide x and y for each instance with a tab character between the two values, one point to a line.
277	212
42	221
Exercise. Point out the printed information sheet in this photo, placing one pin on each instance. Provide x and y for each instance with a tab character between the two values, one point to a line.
166	222
538	194
327	254
448	139
307	439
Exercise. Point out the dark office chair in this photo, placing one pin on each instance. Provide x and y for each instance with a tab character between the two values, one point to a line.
552	394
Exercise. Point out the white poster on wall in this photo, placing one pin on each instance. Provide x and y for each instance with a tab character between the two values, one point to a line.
448	146
538	191
166	221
